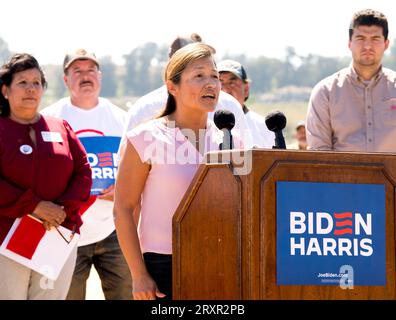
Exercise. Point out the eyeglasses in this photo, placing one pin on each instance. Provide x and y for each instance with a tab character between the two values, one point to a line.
70	236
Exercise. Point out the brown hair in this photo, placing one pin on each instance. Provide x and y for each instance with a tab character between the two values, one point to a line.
178	63
180	42
369	17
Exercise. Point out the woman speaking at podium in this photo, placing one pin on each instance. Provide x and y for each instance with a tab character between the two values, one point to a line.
43	172
158	162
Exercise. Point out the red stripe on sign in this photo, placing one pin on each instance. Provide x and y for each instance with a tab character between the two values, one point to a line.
26	237
106	164
343	231
343	223
343	215
104	154
106	159
89	131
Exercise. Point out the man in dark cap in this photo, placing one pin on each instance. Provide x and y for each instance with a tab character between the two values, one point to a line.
234	81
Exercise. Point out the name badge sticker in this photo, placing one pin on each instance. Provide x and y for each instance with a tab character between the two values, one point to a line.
51	136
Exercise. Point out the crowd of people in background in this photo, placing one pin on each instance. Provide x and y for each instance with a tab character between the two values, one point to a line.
125	225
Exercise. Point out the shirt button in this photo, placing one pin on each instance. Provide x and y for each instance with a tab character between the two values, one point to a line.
368	107
369	123
369	140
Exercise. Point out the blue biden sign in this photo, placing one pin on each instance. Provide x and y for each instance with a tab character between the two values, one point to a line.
322	227
103	159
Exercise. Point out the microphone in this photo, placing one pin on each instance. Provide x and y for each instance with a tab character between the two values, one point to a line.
276	122
225	121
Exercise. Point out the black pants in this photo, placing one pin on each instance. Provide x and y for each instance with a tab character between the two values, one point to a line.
159	266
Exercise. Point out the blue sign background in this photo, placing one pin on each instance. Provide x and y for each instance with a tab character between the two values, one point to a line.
97	145
331	198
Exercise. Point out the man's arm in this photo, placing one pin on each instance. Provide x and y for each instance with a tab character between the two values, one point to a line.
318	124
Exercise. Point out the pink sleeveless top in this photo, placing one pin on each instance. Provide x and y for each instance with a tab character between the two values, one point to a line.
174	162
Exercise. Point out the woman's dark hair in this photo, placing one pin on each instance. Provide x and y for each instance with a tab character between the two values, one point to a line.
17	63
180	42
170	106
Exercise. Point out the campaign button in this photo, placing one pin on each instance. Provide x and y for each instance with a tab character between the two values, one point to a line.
26	149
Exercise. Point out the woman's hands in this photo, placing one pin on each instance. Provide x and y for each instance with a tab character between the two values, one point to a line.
107	194
50	213
144	288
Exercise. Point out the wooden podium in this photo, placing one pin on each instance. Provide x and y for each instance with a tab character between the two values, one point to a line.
224	231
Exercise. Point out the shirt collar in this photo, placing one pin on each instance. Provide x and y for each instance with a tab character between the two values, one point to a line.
356	78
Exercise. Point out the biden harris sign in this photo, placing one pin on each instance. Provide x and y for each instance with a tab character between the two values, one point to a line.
102	157
322	227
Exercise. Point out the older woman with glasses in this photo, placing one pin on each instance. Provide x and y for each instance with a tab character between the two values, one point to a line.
44	173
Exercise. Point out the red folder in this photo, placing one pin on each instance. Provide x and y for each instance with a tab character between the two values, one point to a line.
87	204
26	237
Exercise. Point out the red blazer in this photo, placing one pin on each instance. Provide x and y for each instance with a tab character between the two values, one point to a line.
56	171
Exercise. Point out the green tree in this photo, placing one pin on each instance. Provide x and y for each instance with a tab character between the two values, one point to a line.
287	75
158	67
264	72
390	58
5	53
59	87
314	68
138	64
109	78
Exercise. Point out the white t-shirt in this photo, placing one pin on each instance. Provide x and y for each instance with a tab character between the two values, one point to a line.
104	119
261	136
150	106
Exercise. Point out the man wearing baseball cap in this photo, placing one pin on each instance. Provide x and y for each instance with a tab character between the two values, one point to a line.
99	124
234	81
79	54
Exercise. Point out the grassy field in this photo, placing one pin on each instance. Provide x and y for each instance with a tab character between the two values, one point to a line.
294	112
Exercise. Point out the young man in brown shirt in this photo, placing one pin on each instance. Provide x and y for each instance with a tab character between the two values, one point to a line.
355	108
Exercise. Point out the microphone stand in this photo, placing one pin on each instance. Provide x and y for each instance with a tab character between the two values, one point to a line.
279	140
227	140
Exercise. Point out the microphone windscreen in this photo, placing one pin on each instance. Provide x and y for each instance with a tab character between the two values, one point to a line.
275	121
224	119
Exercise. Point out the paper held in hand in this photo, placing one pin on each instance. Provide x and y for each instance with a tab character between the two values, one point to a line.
45	252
